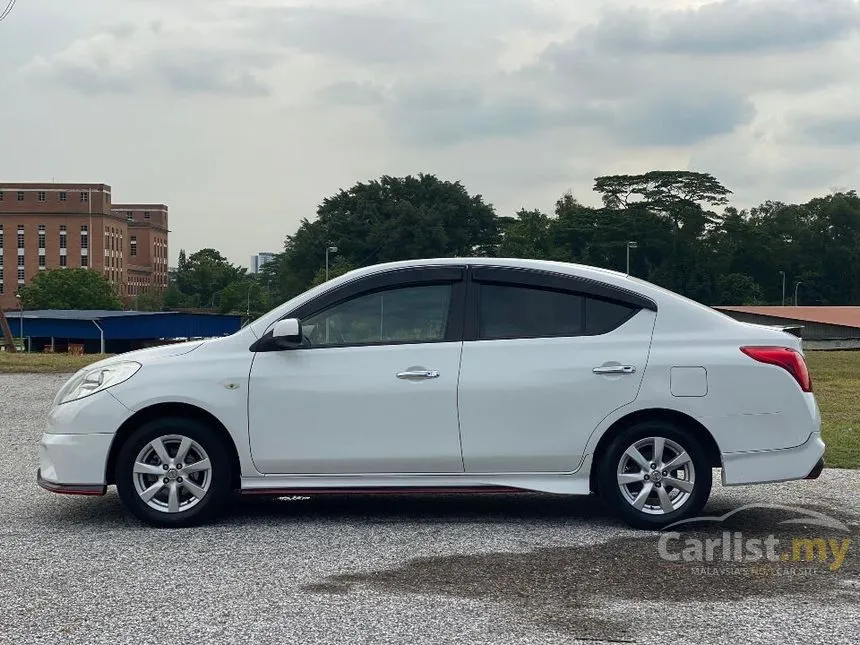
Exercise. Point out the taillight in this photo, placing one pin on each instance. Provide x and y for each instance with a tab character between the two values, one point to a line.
786	358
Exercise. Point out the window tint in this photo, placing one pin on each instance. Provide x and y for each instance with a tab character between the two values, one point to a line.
508	311
523	312
413	314
602	316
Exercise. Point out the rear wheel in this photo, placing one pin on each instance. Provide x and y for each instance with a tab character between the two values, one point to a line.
654	474
173	472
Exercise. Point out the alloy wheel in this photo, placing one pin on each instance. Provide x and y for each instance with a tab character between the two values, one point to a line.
656	475
172	473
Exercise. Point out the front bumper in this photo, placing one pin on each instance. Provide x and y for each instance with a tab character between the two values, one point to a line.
72	461
70	489
805	461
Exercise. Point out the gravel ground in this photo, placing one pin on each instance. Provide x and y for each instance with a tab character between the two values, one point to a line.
450	569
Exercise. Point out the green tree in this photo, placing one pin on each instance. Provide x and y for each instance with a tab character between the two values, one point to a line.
526	236
392	218
70	289
200	279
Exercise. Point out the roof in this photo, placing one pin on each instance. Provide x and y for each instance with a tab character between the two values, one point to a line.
75	314
841	316
121	325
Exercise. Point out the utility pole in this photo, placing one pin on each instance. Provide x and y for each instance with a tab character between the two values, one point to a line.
782	273
630	245
21	316
329	249
795	292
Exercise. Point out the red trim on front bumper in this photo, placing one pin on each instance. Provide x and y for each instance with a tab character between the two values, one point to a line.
70	489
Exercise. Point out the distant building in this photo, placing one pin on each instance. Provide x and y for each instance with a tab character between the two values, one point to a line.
49	226
820	327
257	261
147	246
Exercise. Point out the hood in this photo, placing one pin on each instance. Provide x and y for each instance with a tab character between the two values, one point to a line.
150	353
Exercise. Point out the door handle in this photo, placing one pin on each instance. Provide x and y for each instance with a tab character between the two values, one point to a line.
614	369
418	375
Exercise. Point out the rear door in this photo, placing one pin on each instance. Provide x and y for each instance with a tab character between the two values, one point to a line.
546	358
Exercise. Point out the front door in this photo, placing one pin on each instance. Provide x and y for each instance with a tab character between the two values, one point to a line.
529	394
373	389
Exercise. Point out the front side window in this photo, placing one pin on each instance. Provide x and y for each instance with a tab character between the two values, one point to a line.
408	315
507	311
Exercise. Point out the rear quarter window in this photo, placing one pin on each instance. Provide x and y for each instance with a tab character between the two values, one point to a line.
604	316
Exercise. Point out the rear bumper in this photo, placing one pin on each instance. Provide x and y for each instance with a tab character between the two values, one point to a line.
70	489
805	461
815	472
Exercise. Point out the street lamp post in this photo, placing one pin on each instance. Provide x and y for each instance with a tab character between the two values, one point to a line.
21	316
630	245
782	273
795	292
329	249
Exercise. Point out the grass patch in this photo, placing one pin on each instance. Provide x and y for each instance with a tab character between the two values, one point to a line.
836	381
37	363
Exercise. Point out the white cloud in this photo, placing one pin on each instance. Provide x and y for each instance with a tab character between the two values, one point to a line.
255	110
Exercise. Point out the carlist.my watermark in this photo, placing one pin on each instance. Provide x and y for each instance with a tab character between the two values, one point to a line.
733	553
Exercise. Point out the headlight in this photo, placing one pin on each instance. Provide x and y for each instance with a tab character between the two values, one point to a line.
95	379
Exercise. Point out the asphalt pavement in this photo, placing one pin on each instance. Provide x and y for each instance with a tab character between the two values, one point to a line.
510	569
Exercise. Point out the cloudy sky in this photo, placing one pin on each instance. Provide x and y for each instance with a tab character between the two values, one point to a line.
243	114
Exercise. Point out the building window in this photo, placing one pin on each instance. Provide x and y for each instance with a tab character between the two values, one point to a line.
133	244
1	237
63	228
63	195
20	237
41	236
63	260
42	196
20	260
41	261
85	260
62	239
145	214
1	195
129	215
20	276
85	197
20	195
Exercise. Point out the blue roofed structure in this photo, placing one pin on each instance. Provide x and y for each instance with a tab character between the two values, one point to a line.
118	331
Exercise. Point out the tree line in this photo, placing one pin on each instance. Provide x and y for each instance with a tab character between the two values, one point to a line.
687	237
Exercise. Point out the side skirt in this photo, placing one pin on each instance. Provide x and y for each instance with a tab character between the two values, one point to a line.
498	483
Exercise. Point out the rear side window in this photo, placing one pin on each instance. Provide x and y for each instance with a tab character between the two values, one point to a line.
602	316
508	311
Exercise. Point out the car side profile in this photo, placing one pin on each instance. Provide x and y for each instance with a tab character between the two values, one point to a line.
457	374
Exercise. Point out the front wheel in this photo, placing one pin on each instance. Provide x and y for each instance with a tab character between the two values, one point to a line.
654	474
173	473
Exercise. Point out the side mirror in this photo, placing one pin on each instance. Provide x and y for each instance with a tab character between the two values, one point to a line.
287	332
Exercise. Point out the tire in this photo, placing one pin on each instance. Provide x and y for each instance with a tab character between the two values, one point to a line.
193	494
691	476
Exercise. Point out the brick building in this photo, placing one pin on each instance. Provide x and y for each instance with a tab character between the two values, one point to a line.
48	226
146	260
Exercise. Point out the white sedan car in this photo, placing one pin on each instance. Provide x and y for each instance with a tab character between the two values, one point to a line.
446	375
